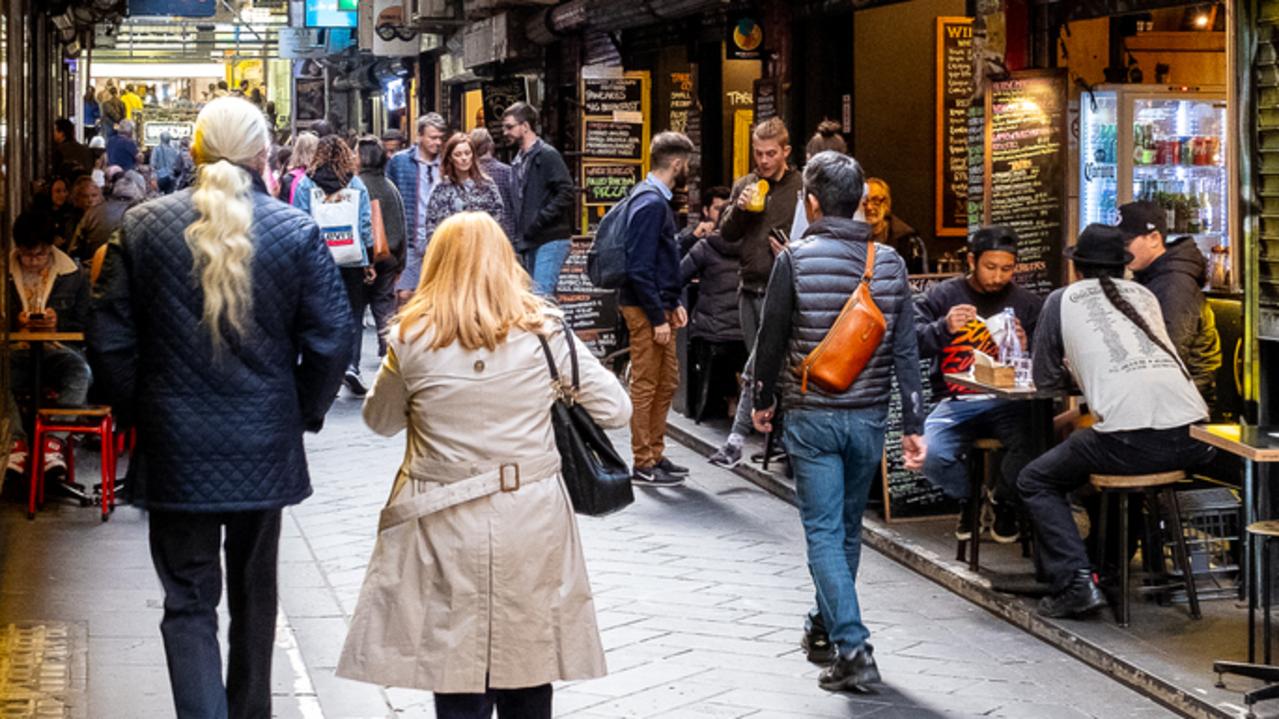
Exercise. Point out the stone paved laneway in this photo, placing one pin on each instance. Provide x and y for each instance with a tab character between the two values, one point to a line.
701	593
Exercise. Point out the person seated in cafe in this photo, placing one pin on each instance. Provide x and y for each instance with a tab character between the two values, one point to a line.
950	322
1175	271
1107	335
891	230
48	292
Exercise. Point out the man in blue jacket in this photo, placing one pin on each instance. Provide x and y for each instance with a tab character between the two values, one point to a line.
651	308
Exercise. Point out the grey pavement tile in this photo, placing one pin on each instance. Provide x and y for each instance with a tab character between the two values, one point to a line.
345	699
299	603
123	690
816	704
630	681
622	636
729	646
570	699
682	625
320	640
656	700
144	623
130	651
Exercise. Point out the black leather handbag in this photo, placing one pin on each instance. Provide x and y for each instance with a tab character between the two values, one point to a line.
598	479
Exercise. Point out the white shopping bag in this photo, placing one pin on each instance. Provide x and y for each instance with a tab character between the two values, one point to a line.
338	216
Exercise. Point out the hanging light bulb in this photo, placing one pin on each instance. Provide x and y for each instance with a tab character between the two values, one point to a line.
1201	20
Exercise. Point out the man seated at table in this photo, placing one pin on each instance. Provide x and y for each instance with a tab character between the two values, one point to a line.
48	292
1108	333
948	321
1176	271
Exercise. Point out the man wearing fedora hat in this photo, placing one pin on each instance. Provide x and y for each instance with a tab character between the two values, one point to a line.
1108	333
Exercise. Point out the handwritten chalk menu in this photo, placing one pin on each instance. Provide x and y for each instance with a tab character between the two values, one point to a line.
497	95
683	102
1026	167
606	184
766	98
975	197
601	97
606	139
908	495
591	312
616	121
955	88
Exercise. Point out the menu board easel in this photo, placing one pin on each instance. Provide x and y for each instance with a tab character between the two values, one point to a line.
1022	170
955	89
616	120
590	311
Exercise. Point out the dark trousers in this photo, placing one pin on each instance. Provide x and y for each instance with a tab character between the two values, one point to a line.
527	703
185	549
380	297
353	278
1045	483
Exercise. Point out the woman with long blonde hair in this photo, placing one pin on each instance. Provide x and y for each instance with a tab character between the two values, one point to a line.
220	329
477	588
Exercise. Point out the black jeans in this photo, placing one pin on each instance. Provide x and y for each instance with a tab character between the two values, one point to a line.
380	297
185	550
527	703
353	278
1045	483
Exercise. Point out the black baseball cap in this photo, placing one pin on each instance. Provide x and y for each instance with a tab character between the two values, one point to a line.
995	238
1142	218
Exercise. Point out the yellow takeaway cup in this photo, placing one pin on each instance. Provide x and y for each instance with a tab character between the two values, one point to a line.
756	203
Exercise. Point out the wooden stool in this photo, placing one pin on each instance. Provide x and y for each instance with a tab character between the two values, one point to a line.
976	481
91	420
1125	485
1262	532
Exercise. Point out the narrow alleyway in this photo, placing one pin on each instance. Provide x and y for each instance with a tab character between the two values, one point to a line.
701	593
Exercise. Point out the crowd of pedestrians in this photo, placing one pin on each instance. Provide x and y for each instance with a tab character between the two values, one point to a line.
227	309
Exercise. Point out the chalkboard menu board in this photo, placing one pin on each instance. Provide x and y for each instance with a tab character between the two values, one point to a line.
1027	169
606	184
683	101
976	195
605	96
606	139
766	99
497	95
908	495
955	88
591	312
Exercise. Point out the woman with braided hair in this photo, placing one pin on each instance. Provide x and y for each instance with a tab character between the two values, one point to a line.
1108	334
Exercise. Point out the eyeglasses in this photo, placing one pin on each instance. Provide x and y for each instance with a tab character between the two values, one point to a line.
391	32
876	201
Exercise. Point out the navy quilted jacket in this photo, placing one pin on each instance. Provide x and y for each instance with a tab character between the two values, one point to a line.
218	435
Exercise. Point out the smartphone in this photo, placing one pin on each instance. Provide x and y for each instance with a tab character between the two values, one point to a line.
35	315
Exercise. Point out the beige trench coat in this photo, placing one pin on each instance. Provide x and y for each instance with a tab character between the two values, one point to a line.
494	586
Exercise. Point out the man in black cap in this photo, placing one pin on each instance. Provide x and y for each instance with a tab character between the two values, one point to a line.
1109	334
1176	271
949	320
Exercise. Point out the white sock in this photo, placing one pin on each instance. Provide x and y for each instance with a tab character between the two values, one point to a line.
735	440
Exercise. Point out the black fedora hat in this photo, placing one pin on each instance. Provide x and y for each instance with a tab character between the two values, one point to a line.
1101	245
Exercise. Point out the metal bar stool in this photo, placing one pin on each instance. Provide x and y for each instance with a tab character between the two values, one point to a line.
1125	485
92	420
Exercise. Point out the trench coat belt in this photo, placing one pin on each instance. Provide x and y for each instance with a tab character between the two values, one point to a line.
465	481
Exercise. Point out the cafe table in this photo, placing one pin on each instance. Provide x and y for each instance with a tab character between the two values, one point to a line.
37	340
1252	444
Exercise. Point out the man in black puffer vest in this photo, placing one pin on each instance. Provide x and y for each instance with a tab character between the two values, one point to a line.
836	440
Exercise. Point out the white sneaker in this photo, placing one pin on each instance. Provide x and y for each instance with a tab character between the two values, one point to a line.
55	458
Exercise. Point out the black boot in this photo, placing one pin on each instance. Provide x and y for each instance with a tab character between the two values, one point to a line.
851	672
1080	597
816	641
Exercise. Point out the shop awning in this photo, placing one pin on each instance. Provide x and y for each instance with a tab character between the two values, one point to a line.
595	16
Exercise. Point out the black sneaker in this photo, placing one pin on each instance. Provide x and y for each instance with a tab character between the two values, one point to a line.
355	383
654	477
671	468
963	528
1081	597
1005	529
816	644
851	672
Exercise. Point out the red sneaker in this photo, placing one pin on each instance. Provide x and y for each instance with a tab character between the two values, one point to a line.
55	458
18	454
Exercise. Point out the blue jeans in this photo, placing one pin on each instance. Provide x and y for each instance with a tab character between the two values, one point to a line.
835	455
63	369
543	264
950	430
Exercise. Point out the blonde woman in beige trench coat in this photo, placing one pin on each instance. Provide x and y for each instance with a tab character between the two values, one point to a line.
477	588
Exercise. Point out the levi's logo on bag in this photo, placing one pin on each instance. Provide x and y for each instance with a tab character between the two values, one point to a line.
338	236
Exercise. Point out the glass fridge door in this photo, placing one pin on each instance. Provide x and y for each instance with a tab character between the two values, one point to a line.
1099	158
1179	163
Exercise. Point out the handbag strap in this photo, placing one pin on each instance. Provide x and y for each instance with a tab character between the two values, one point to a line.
571	390
869	274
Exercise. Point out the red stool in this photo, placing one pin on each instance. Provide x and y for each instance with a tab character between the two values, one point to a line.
74	421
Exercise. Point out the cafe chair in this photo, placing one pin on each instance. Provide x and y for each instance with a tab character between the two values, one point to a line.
979	476
93	420
1144	485
1259	533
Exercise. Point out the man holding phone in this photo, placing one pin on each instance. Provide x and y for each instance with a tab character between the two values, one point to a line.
51	294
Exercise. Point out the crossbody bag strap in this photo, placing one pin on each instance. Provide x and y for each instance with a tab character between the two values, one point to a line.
869	274
550	360
572	355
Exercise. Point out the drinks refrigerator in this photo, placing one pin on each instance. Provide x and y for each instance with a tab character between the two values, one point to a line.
1162	144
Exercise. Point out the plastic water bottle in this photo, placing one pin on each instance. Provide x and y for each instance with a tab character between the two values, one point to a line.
1011	352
